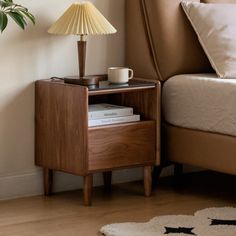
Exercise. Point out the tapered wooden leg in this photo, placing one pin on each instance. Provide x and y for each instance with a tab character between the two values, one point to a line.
107	179
88	185
155	176
48	180
147	181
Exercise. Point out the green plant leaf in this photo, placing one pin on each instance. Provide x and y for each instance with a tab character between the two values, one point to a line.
22	16
3	21
4	4
18	19
17	12
20	8
29	16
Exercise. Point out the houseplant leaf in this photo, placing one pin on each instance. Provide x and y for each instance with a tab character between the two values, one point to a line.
18	13
29	16
5	4
3	21
18	19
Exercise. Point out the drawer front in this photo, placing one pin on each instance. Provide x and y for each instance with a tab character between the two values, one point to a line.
122	145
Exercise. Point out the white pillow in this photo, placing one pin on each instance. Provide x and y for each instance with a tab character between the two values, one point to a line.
215	25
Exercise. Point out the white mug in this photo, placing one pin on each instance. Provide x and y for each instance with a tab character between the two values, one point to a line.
120	75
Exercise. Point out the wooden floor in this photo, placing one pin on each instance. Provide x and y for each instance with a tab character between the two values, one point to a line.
64	215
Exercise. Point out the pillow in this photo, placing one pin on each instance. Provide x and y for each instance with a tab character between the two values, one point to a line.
215	25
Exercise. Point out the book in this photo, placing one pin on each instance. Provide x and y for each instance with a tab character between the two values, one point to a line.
114	120
104	110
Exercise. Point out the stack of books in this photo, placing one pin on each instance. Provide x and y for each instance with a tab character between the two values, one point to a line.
106	114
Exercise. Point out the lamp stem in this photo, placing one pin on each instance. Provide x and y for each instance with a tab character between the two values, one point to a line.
82	55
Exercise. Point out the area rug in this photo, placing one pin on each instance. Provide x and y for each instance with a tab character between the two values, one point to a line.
207	222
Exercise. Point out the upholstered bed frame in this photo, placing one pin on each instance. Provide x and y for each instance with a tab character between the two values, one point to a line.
161	43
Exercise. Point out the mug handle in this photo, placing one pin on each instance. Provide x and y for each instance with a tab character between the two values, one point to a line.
131	74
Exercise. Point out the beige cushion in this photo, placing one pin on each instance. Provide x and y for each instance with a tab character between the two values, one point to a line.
215	25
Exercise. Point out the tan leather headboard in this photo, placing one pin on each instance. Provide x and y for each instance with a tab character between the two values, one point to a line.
160	41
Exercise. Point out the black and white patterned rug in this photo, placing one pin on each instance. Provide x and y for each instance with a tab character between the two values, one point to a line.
207	222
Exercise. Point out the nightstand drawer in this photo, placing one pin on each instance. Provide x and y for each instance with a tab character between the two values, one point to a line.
122	145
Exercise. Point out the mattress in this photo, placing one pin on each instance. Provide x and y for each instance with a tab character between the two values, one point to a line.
202	102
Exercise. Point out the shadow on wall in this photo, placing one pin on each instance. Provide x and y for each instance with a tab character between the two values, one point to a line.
17	130
107	50
25	54
35	54
116	11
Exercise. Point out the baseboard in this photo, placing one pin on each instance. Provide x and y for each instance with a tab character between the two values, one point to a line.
22	185
31	184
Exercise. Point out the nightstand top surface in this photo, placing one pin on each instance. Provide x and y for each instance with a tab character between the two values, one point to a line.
106	85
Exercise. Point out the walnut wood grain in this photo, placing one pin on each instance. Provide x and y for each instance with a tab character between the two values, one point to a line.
147	180
82	57
61	127
48	181
64	216
64	142
88	186
147	104
121	145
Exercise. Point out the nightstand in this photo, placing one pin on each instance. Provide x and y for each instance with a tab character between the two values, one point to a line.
64	142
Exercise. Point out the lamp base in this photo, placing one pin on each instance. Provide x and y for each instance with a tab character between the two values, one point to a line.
87	80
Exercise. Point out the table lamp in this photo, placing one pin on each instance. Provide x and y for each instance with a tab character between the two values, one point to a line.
82	19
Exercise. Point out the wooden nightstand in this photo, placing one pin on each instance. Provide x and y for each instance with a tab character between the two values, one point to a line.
64	142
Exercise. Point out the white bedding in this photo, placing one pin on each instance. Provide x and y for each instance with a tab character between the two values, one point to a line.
201	101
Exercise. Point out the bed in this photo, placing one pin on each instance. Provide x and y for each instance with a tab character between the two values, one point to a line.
199	114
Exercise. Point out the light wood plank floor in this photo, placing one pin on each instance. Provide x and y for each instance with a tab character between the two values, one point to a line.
64	215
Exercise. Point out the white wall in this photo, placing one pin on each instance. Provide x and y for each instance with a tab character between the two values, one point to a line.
26	56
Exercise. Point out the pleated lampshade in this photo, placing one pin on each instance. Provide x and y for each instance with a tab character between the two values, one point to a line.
82	19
